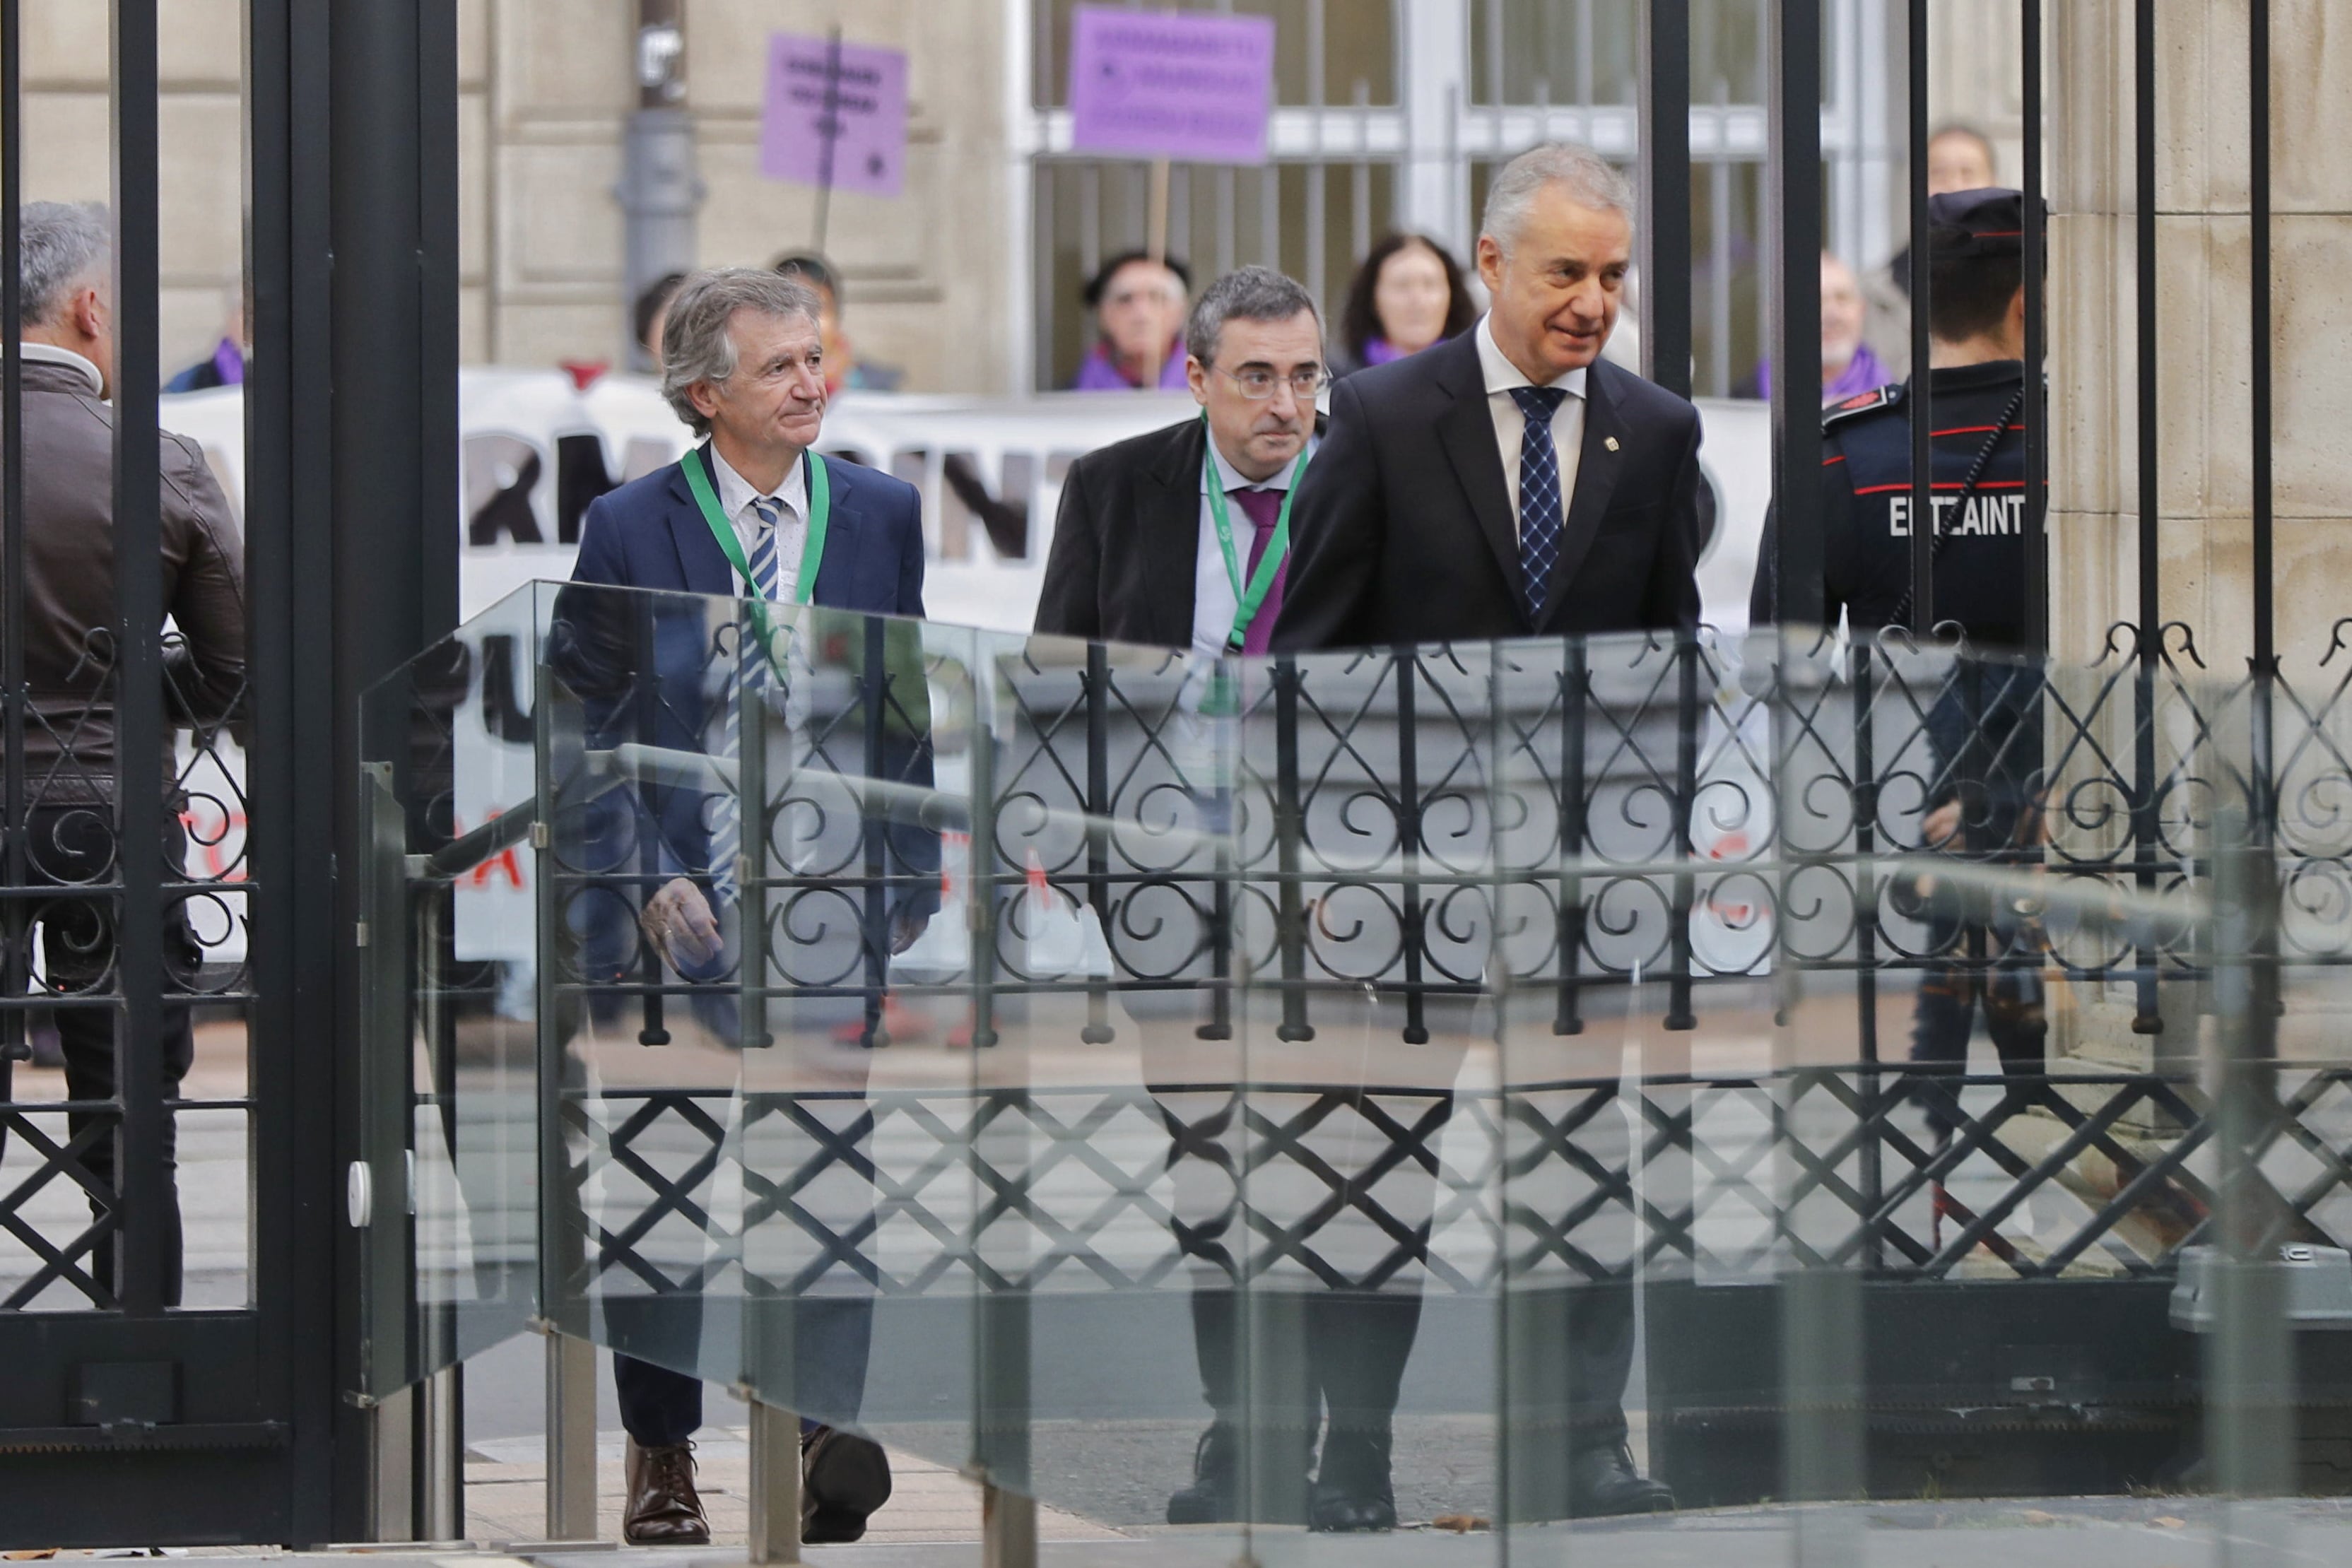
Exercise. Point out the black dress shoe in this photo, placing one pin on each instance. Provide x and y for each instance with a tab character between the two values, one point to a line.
663	1508
1352	1487
1604	1481
844	1478
1213	1498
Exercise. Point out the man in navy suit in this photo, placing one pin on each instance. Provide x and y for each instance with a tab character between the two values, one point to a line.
753	513
1512	483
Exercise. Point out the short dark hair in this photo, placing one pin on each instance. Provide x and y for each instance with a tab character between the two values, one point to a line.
653	302
1969	296
814	270
1246	293
1099	284
1359	322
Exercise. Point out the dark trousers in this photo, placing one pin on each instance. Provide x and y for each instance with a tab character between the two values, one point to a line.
1310	1354
822	1345
2005	976
71	846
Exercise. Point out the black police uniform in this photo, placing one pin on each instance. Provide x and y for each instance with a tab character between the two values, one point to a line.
1983	725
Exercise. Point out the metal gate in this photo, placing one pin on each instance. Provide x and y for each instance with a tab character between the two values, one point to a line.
171	1384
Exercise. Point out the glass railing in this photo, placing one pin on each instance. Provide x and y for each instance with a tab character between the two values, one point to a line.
1245	1101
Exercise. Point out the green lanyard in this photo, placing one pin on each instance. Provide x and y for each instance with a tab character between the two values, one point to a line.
1270	564
820	485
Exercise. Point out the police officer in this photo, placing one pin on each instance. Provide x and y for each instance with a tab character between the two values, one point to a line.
1982	724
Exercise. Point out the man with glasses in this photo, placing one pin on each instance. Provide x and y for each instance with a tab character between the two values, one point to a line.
1177	537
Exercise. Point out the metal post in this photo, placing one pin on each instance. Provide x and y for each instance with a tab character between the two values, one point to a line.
441	1455
1098	1028
775	1485
306	1308
1008	1529
1666	192
1289	829
15	969
2249	1355
659	190
570	1438
388	385
2037	349
1922	446
2258	370
391	1464
2146	1019
144	1187
1795	203
1821	1308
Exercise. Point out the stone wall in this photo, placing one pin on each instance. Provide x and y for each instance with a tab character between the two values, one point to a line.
2204	302
545	88
548	91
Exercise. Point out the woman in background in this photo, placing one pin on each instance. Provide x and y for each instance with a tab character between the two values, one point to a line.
1408	294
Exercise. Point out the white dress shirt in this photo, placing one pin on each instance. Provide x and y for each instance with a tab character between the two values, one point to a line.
1214	602
1511	424
50	354
735	498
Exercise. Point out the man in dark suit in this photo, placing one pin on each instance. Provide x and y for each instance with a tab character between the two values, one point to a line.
1137	556
758	515
1511	483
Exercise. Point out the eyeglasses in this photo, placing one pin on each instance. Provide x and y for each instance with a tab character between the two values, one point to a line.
1258	385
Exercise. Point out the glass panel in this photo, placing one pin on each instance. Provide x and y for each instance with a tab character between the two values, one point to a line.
1246	1098
448	1198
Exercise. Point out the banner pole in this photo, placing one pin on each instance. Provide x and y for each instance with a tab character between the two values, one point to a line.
1156	243
831	129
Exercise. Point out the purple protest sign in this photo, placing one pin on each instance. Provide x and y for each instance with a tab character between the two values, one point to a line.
1159	86
864	90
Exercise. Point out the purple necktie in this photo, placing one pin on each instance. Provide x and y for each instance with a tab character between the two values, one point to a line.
1265	509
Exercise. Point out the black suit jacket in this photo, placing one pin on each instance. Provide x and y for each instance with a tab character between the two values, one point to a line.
1127	540
1403	531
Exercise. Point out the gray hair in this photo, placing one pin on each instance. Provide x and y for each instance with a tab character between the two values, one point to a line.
63	242
697	345
1591	180
1250	294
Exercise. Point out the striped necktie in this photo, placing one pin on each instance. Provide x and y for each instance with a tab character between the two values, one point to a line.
748	684
1541	516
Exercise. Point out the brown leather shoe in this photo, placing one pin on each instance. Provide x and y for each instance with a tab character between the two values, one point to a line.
844	1478
664	1508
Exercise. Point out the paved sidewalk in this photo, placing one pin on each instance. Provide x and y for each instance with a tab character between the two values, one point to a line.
931	1504
2066	1532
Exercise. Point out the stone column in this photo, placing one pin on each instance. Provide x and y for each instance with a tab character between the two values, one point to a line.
2204	248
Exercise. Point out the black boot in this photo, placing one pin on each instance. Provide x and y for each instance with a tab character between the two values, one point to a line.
1214	1496
1351	1488
1603	1481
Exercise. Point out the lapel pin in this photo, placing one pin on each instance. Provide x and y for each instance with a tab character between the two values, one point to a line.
1611	443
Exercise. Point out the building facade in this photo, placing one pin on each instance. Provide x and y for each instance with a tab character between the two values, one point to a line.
1391	113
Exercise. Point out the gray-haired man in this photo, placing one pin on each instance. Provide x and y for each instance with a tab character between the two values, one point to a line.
64	266
753	512
1510	482
1505	484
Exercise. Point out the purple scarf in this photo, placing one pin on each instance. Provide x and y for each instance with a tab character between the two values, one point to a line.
1865	372
1098	372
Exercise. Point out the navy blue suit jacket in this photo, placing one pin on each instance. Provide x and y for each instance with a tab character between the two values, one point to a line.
648	669
649	534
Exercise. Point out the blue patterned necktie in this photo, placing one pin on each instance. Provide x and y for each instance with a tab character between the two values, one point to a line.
1541	512
748	684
